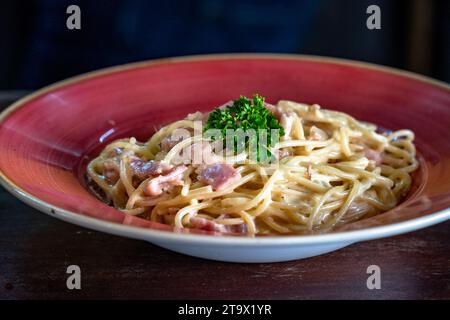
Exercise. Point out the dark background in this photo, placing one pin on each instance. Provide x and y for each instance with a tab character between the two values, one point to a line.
36	48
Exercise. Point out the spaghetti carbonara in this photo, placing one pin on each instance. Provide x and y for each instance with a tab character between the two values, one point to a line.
326	169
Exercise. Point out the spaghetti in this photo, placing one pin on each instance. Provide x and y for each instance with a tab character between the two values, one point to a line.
330	169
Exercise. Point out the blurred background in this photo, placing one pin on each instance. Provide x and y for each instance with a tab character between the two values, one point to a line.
36	48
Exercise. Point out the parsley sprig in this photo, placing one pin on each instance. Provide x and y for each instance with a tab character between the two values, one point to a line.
245	114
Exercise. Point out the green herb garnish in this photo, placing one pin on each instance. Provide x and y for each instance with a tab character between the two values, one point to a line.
245	115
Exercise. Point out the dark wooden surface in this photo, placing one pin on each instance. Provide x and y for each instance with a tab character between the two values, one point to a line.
36	249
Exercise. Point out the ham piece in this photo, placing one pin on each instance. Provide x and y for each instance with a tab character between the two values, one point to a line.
161	183
111	170
374	156
209	225
218	175
143	169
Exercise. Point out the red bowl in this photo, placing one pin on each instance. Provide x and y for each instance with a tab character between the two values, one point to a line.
47	137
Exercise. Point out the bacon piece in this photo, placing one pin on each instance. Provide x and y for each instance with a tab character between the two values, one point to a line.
218	175
141	169
169	142
175	137
162	183
111	170
373	155
115	152
209	225
286	119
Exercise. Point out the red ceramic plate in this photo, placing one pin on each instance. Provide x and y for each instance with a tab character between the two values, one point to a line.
47	137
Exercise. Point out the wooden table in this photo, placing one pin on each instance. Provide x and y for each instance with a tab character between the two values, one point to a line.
36	249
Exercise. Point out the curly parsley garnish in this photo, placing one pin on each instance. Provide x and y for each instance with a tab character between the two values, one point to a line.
245	114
